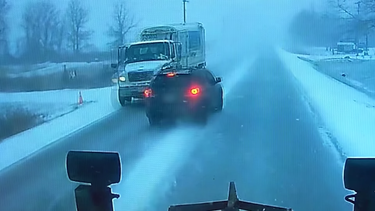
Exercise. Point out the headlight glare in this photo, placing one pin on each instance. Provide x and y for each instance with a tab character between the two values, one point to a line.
122	78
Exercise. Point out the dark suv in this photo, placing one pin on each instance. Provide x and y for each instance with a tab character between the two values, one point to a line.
183	93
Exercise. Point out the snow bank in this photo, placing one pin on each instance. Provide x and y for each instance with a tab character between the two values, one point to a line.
347	113
98	103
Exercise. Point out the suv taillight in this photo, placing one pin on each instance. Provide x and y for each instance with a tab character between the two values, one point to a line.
194	91
148	92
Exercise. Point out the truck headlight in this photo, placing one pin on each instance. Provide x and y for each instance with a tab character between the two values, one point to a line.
122	78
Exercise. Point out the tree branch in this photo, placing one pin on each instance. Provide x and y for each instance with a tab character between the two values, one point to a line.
78	17
123	22
341	7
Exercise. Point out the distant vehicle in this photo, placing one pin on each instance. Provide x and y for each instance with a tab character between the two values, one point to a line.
346	47
179	46
188	93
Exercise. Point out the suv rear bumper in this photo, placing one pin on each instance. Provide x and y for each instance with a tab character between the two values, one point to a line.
155	107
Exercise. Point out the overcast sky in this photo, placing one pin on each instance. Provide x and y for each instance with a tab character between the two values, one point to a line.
222	19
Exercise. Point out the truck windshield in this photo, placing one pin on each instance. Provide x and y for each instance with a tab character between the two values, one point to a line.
148	52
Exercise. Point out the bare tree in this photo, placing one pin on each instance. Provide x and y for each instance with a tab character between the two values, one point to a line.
40	22
316	28
358	15
4	9
368	6
60	36
77	18
123	22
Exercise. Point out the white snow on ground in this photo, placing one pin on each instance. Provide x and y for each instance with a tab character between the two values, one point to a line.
320	53
158	165
98	103
161	162
51	68
235	76
50	103
346	112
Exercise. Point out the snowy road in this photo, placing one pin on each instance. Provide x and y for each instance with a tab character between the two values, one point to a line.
265	140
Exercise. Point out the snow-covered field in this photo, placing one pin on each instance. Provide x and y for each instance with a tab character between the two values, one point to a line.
97	103
357	72
347	113
55	76
320	53
53	68
50	104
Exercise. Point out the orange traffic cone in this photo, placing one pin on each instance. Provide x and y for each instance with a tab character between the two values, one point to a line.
80	99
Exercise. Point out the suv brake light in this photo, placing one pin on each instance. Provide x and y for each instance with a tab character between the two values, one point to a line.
147	93
194	91
171	74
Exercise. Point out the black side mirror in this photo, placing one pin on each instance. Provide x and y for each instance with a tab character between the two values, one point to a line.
114	65
218	79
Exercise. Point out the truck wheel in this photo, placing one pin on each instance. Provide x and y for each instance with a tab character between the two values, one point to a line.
124	101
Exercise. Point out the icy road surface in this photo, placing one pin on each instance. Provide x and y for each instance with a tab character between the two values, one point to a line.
266	140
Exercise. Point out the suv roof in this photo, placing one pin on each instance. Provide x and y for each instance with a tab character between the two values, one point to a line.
179	71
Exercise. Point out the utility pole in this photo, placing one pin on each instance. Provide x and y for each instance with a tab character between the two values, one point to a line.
358	3
184	2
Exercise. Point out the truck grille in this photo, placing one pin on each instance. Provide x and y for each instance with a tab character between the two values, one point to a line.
140	76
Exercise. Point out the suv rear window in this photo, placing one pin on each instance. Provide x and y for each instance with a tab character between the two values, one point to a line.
176	81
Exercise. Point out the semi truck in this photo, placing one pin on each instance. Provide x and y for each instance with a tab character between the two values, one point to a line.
160	47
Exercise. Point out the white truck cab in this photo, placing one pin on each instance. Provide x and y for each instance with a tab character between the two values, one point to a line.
161	47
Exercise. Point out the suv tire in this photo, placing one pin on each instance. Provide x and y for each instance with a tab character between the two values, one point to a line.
220	102
201	117
154	120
